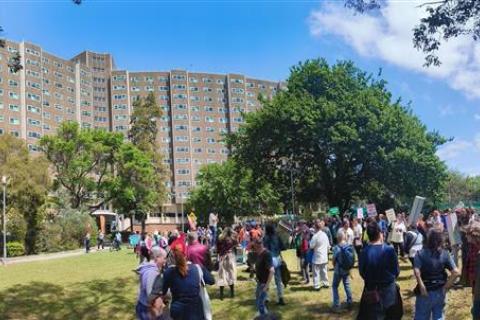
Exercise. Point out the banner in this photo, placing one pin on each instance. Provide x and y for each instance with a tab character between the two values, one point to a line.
390	213
416	210
451	224
371	210
333	211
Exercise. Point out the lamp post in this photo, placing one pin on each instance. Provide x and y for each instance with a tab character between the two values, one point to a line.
4	183
288	162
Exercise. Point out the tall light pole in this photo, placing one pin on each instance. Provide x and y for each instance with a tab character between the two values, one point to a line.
4	183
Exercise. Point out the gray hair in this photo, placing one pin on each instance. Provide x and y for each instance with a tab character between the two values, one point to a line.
158	252
192	236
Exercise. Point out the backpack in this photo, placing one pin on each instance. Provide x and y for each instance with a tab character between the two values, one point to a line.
346	259
409	240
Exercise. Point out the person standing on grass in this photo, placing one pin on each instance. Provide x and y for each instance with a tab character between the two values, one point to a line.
347	231
343	260
430	265
148	272
184	282
227	267
198	253
320	246
357	235
87	242
398	229
264	271
100	239
274	244
378	266
212	225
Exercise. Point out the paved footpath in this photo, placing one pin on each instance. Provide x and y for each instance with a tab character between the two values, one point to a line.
50	256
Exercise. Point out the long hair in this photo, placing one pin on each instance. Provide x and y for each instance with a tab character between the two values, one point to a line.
180	261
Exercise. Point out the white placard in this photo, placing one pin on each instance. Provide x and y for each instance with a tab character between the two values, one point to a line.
416	210
451	224
371	209
391	215
359	213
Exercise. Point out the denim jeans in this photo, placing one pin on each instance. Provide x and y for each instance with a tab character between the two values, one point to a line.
278	277
260	297
337	277
431	306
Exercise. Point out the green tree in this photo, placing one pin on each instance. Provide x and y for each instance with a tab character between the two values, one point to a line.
133	190
231	190
143	134
446	19
27	187
339	128
83	162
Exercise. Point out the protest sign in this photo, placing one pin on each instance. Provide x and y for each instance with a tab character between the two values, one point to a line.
359	213
451	224
391	215
416	210
333	211
371	209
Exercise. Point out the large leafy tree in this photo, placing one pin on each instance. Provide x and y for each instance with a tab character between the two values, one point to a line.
82	161
230	190
143	134
345	138
133	190
445	19
27	186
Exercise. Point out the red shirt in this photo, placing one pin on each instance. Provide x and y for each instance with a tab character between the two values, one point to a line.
196	253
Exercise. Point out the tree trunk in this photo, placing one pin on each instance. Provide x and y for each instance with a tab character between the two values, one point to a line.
131	223
143	224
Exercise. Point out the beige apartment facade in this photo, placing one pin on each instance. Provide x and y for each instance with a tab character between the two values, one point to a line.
198	108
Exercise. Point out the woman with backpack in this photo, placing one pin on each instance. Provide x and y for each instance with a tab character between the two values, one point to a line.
430	267
343	261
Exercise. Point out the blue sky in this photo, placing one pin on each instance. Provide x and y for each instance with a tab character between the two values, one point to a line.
264	39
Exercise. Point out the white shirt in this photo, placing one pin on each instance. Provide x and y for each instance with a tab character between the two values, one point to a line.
357	233
212	220
348	235
397	232
417	246
320	245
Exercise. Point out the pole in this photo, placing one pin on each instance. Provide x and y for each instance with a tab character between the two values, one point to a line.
4	224
291	186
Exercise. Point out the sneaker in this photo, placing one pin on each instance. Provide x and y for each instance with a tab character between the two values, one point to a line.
325	286
316	289
281	302
336	309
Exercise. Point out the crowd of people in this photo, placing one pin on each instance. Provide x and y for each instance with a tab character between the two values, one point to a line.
175	267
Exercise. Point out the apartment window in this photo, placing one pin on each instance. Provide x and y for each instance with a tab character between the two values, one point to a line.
194	89
196	139
196	129
14	121
59	96
183	171
181	139
250	85
237	90
163	79
166	139
58	107
210	140
14	107
195	118
181	128
165	129
149	79
163	97
149	88
100	119
180	96
237	100
121	128
46	115
223	120
197	150
222	110
181	117
194	98
121	117
179	77
182	160
207	99
183	184
120	96
207	89
2	118
1	105
210	129
119	78
207	80
1	131
1	92
166	161
33	148
46	126
33	62
120	106
34	122
182	149
13	95
181	106
193	80
119	87
209	119
179	87
163	88
165	108
86	113
197	161
220	81
235	80
135	89
209	109
211	151
238	120
250	103
58	119
165	118
250	94
195	108
33	134
33	73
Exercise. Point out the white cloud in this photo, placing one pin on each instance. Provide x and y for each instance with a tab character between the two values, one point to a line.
388	35
453	149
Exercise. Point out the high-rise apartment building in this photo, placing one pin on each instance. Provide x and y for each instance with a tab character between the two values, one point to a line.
198	108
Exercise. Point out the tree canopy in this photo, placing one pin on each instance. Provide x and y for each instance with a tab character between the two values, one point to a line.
338	129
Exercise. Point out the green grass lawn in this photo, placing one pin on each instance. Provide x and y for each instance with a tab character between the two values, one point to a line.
103	286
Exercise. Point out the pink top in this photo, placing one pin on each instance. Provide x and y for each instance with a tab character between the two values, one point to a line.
196	253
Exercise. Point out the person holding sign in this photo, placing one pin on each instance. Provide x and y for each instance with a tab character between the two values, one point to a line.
398	229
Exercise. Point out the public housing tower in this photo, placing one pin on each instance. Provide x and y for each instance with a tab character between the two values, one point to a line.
197	107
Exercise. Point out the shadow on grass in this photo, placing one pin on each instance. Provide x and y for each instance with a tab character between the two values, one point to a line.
97	299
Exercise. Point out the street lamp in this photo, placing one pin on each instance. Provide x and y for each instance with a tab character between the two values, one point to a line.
4	183
289	162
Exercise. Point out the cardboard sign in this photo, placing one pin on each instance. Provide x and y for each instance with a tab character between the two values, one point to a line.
451	224
416	210
359	213
390	213
371	209
333	211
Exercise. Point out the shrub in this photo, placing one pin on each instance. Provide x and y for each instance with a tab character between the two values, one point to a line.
15	249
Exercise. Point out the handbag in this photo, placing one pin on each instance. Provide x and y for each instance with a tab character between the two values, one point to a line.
207	308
